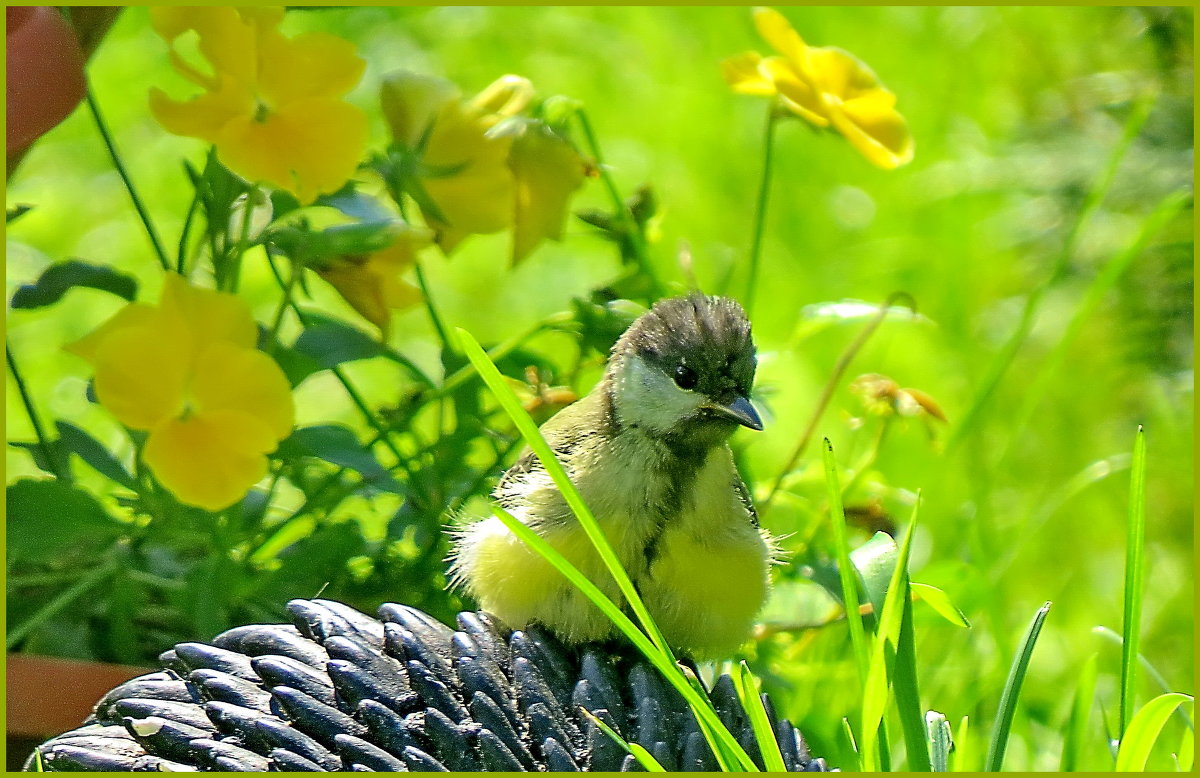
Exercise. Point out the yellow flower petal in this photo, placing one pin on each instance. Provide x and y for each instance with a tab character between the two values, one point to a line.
210	316
132	315
839	73
142	372
412	101
776	30
314	64
307	147
210	460
741	73
225	38
229	378
206	116
797	94
547	171
882	136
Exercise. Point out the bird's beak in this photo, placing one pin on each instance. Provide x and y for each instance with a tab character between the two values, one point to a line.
741	411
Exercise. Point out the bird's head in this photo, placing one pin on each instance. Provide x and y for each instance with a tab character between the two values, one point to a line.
683	372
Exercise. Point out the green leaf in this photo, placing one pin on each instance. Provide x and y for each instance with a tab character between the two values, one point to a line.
842	549
338	445
75	440
1012	690
55	461
874	561
818	317
48	519
940	602
61	277
331	343
1081	708
16	212
1144	729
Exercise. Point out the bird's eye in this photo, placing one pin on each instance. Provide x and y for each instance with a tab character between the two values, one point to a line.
685	377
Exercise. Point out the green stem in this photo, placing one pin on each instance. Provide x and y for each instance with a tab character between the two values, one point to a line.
760	208
185	233
620	207
27	401
835	378
143	214
94	578
429	306
355	397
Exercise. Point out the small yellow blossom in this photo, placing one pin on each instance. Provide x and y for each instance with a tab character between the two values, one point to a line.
187	372
825	86
272	105
372	284
476	174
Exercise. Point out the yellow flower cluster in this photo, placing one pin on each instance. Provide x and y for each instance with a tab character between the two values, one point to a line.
482	166
187	372
272	105
825	86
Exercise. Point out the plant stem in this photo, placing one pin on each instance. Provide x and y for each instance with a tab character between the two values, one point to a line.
143	214
429	306
86	584
620	208
27	401
760	208
835	378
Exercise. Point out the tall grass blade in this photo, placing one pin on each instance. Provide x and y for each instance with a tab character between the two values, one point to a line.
850	600
1151	671
848	731
962	752
1187	752
908	694
1076	734
654	647
882	661
1144	729
1135	560
1012	691
643	757
939	741
764	733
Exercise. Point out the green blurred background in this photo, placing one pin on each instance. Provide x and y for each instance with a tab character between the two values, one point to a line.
1015	112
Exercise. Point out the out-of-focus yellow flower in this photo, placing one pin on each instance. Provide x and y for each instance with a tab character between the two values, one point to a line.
272	105
825	86
475	175
371	283
187	372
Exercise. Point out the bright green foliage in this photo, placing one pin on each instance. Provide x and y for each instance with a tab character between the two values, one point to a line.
1043	232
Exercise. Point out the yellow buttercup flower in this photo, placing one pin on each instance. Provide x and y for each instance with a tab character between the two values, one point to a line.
481	166
372	284
187	372
825	86
272	105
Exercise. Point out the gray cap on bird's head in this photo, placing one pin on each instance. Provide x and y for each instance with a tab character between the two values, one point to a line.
704	344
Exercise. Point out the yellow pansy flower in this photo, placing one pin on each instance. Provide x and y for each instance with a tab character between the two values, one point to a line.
825	86
272	105
187	372
371	283
482	167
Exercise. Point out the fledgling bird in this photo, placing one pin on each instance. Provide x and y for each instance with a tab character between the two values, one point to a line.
647	449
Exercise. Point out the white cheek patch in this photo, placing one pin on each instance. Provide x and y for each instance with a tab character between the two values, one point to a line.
648	397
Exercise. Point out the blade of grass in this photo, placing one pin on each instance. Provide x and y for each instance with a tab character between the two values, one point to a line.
1135	560
1186	753
643	757
908	694
1012	691
848	731
940	602
764	733
1076	734
654	647
1151	671
850	600
962	754
939	741
882	662
1144	729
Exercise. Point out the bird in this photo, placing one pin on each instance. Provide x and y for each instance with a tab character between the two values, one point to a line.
648	450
